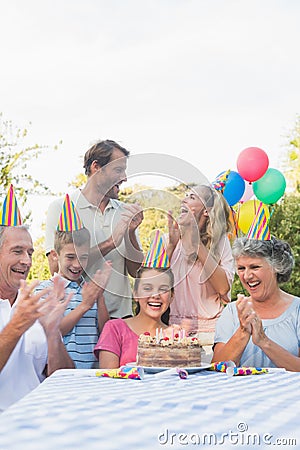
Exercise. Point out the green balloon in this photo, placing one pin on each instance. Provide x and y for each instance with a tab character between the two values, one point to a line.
270	187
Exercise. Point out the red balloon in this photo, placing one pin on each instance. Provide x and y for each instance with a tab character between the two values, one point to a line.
252	163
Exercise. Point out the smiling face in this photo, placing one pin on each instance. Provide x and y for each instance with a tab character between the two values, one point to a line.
15	259
192	208
112	175
257	277
153	293
72	261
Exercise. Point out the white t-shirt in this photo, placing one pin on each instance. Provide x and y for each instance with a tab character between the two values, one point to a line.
24	369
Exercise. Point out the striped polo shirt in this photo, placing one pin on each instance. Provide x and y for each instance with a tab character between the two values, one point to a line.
81	340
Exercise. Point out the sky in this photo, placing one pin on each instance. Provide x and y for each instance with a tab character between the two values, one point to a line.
198	80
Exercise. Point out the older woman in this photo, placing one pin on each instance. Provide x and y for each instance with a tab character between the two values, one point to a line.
261	330
201	260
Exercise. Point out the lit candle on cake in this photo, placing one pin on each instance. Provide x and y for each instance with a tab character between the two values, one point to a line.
156	335
160	334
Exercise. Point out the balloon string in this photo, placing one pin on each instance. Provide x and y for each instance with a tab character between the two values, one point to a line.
237	220
271	213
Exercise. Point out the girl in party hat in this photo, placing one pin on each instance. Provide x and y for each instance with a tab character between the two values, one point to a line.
153	292
86	313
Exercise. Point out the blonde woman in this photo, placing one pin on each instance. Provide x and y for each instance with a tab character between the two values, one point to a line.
201	260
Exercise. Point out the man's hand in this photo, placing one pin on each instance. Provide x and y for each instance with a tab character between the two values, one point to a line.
27	309
137	217
52	307
131	218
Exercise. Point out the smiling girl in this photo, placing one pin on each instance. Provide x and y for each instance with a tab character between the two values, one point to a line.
153	291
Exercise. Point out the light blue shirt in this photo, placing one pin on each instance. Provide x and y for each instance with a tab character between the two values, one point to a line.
284	330
81	340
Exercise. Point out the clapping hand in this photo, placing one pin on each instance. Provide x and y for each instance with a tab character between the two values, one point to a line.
245	312
136	215
91	290
258	334
131	218
174	232
27	309
53	306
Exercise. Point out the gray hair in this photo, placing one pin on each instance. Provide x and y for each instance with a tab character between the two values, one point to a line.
276	252
4	227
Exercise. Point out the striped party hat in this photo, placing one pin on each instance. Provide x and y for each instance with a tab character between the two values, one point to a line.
69	218
259	228
10	215
157	257
220	182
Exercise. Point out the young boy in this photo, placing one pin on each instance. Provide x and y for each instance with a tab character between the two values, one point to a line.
86	313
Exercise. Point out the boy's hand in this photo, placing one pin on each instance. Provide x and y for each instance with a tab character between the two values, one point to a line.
93	289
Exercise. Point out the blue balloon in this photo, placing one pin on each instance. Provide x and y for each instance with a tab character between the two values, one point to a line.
234	188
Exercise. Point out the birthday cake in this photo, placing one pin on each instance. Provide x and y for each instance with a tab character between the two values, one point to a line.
168	352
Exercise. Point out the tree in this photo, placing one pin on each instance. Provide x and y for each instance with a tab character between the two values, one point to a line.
79	181
15	153
285	225
292	158
156	203
40	268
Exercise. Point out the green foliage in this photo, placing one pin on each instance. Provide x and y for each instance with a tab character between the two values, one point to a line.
292	158
79	181
39	269
285	225
15	155
155	203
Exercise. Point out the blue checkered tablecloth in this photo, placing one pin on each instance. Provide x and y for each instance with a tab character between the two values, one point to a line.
71	410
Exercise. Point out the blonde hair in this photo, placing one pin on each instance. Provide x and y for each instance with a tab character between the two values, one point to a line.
218	222
76	237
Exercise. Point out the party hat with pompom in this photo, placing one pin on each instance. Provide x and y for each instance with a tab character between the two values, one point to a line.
10	215
157	257
69	218
259	228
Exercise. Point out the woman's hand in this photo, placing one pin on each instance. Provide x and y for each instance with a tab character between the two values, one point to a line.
174	232
245	312
258	334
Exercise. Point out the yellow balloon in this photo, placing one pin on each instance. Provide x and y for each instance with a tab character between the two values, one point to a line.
246	213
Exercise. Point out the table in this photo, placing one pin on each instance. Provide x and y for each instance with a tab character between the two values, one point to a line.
71	410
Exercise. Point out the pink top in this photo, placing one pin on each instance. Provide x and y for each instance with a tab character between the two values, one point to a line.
118	338
195	299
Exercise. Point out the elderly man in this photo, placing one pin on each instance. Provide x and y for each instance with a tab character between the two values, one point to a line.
111	223
30	341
